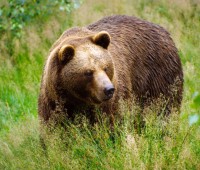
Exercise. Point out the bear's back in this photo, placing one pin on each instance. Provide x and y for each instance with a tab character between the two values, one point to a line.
145	56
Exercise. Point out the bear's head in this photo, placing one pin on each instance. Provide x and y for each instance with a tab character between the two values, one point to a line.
81	68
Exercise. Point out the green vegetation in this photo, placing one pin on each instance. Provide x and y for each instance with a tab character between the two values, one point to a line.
163	144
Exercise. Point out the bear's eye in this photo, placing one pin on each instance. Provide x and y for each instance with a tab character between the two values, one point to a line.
89	73
106	69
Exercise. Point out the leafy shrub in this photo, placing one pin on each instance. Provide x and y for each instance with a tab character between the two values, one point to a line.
16	14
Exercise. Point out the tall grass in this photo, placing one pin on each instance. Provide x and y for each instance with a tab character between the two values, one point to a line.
170	144
162	144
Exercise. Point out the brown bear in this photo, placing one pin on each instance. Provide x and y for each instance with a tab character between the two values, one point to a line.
117	57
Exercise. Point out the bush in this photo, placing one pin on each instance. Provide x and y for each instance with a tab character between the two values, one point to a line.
16	14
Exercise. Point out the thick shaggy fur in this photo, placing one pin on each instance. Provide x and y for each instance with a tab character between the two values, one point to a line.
142	60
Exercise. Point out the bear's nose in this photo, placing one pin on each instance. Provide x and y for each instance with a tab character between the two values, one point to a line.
109	91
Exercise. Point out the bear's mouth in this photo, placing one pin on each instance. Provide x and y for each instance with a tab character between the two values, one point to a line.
108	97
96	100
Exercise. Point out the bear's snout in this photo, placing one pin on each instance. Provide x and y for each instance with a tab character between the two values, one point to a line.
109	91
103	87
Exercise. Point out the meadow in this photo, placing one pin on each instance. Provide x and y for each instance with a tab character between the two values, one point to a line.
172	143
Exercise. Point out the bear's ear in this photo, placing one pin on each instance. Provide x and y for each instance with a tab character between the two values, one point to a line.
66	53
102	39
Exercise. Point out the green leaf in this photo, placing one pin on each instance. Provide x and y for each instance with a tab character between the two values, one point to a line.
196	100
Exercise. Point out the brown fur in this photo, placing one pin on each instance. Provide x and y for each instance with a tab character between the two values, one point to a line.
139	58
